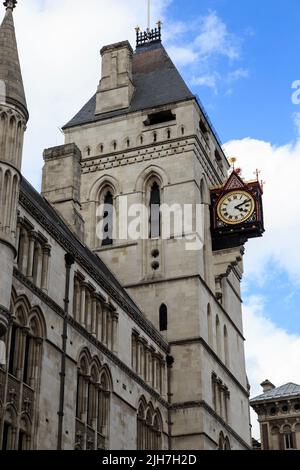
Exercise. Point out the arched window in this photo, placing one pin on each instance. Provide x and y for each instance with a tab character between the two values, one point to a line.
114	145
128	143
154	136
163	318
88	151
169	134
141	140
92	405
155	216
149	427
24	343
107	237
182	130
288	438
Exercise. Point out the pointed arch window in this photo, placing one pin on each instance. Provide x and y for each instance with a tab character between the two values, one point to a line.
163	318
107	237
155	216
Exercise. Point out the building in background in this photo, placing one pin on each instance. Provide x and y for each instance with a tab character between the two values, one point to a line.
113	343
278	410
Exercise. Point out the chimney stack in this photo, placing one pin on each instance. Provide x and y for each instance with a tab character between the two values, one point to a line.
116	88
267	386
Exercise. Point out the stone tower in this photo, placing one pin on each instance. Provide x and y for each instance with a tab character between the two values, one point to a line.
13	119
145	139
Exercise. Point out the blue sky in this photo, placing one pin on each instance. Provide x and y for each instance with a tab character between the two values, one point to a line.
240	57
269	35
265	36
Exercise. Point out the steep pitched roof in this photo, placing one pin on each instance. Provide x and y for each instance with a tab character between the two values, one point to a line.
287	390
156	80
10	70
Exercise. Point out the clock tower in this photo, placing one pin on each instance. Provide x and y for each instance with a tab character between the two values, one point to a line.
145	138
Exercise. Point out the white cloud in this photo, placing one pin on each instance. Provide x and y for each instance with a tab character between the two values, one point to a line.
214	38
271	353
207	80
182	55
59	43
280	169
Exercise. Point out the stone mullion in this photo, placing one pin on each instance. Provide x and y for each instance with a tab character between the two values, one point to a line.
104	327
94	316
82	304
108	328
115	324
99	320
32	238
45	267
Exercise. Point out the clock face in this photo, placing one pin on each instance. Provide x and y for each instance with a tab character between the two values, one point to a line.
236	207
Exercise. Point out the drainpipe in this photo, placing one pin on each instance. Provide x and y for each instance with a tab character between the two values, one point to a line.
69	260
170	362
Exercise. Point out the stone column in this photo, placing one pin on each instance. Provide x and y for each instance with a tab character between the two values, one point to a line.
115	342
104	322
45	267
82	304
99	319
94	316
32	239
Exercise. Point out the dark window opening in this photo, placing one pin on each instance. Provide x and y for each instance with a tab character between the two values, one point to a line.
182	131
163	318
154	137
88	151
128	143
218	155
288	440
169	134
108	217
22	440
142	140
203	127
115	145
155	217
160	117
6	431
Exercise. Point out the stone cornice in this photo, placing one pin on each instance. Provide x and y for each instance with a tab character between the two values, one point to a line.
203	404
67	243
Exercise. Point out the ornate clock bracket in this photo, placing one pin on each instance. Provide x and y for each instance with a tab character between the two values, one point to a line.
236	212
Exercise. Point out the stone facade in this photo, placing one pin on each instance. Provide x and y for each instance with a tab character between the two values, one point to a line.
131	343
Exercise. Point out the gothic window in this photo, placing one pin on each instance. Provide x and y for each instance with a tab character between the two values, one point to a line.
24	343
88	151
92	405
141	140
154	137
107	238
163	318
182	130
169	134
155	216
128	143
149	427
224	443
101	148
114	145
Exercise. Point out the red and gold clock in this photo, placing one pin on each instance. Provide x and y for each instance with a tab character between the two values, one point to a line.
236	212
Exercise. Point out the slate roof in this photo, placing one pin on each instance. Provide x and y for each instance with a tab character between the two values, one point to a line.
284	391
156	80
10	70
48	217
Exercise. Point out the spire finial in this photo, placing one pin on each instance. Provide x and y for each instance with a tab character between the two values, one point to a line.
10	4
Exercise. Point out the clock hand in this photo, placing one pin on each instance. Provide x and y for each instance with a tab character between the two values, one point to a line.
242	204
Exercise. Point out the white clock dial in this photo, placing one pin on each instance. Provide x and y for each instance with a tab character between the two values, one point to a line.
236	207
